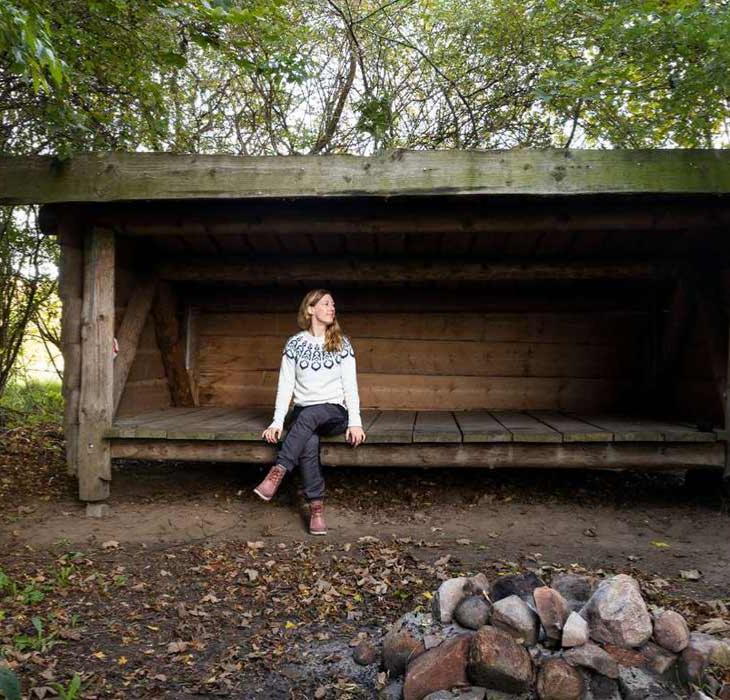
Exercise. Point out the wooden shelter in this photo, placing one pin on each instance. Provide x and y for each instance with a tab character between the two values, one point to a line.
531	308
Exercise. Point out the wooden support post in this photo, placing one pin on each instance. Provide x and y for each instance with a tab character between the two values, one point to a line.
171	343
97	375
130	331
70	289
192	319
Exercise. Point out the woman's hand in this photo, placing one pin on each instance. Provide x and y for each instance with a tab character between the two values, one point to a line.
272	433
355	435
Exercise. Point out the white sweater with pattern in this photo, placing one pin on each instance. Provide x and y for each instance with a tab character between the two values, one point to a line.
313	375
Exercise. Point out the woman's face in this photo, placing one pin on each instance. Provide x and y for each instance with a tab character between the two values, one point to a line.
324	310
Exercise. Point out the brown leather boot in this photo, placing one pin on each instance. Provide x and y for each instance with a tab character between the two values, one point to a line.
268	487
317	525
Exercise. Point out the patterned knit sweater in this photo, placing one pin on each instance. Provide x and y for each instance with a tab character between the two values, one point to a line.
313	375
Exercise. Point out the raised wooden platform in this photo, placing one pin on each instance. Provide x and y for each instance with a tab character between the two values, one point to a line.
430	438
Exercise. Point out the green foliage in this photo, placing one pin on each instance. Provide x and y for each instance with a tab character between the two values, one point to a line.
40	641
32	402
9	684
70	692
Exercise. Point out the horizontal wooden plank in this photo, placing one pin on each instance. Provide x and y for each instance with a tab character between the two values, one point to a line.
452	393
222	358
104	177
588	328
436	426
526	428
646	429
510	455
295	271
144	395
481	426
571	428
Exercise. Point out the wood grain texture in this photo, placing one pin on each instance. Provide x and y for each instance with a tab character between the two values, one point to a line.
491	456
170	340
96	402
294	271
103	177
129	333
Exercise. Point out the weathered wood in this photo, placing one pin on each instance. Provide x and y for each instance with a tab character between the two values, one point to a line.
510	455
392	426
449	392
339	270
436	426
481	426
576	328
130	331
647	429
571	428
96	408
225	356
98	177
171	343
525	428
70	289
192	349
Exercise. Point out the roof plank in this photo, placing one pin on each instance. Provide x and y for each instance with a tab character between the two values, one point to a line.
110	177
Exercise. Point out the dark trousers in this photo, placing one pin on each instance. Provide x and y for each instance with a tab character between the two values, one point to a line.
301	444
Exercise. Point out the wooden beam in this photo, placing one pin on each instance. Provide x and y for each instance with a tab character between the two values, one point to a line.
171	342
70	289
474	214
338	269
97	373
494	455
129	333
106	177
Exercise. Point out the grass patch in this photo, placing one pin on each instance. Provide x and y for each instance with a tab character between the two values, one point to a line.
31	402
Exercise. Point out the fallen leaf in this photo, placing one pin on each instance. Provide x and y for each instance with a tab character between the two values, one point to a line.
660	545
110	544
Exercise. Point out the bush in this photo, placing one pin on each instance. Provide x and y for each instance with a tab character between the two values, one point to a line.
31	402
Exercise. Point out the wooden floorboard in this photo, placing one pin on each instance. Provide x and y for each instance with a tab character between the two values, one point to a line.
481	426
436	426
404	427
525	428
572	429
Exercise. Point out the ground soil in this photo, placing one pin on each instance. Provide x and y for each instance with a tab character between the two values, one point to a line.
189	556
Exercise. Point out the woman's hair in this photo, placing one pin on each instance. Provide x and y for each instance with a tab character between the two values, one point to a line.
333	334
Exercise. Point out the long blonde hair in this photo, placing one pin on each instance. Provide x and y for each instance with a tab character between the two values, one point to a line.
333	335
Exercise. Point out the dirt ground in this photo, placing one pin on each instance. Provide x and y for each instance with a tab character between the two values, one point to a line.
274	603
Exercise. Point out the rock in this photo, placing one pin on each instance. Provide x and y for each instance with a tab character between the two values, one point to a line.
671	631
592	656
512	615
452	591
403	639
365	653
637	684
657	658
440	668
473	693
97	510
576	589
600	687
575	631
392	691
552	610
473	612
699	695
558	680
702	651
520	585
616	613
497	662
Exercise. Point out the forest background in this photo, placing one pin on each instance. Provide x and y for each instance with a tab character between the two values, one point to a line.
283	77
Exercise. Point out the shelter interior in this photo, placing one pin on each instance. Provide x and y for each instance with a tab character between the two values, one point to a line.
596	320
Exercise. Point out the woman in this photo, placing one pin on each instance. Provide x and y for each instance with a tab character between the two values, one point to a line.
318	369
